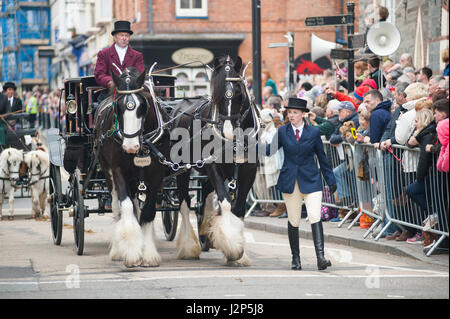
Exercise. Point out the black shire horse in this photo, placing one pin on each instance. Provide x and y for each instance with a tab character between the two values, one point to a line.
228	121
125	124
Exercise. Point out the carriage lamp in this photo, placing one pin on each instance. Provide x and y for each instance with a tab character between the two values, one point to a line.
71	104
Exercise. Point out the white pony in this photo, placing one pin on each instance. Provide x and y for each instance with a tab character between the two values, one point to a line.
38	169
10	161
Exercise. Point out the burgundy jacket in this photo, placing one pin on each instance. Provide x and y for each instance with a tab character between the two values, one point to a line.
108	56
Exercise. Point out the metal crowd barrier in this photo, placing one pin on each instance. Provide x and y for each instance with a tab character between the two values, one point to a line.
400	167
341	159
369	184
374	182
271	196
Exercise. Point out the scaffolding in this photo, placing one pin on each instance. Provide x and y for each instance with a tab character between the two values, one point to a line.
25	42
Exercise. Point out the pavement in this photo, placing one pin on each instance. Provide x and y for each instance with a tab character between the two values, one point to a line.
349	237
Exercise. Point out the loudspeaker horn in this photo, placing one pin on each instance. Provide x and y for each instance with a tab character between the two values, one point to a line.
383	38
320	47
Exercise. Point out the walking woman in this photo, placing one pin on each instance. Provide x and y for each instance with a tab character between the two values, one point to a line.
300	178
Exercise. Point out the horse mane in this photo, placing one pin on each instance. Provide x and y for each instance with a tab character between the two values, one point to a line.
136	79
218	81
8	152
43	157
40	155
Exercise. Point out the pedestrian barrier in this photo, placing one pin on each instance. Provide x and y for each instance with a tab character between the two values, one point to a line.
377	183
369	184
418	206
271	196
341	159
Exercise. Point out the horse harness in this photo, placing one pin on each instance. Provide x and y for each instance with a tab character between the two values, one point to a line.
41	176
3	179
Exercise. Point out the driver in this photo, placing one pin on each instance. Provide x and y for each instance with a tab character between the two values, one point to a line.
120	53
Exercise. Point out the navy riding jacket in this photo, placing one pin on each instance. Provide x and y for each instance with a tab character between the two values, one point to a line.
299	164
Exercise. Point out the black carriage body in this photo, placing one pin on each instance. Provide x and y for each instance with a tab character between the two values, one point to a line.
84	92
72	146
16	139
77	129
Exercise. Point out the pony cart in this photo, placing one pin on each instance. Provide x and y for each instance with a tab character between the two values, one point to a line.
23	165
73	145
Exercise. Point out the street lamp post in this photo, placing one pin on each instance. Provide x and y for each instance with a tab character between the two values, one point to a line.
256	46
291	70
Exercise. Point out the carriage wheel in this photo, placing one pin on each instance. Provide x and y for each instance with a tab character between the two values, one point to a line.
55	197
170	216
170	223
204	240
78	213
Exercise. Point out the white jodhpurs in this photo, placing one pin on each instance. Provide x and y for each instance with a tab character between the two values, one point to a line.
294	203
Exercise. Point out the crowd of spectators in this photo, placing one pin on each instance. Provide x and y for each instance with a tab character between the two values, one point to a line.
393	103
42	106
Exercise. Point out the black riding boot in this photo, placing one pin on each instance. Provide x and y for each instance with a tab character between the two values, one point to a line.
294	243
317	234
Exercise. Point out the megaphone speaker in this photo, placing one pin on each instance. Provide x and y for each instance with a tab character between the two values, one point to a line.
320	47
383	38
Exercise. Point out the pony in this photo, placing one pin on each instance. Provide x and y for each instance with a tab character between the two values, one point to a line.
127	124
10	162
38	164
228	113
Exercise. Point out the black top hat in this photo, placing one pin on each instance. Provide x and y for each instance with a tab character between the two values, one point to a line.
122	26
8	85
299	104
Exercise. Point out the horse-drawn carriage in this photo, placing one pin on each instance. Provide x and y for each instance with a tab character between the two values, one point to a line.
121	150
23	163
71	146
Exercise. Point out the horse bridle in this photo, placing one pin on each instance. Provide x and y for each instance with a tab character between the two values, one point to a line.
228	95
8	173
40	174
152	137
130	106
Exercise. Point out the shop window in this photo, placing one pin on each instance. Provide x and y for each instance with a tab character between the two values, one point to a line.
191	82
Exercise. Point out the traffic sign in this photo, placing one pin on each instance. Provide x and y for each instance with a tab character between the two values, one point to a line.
357	40
328	20
341	54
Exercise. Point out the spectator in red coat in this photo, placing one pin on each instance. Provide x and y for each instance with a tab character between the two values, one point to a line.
120	53
358	95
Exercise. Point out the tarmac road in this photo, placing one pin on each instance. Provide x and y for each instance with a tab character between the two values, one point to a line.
31	266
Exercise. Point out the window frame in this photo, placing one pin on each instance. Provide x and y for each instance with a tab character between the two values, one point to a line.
201	13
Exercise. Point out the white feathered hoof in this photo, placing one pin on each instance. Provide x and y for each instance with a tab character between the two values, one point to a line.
127	240
188	246
150	255
244	261
227	233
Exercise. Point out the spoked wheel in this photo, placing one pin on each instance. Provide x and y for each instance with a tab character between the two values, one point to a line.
170	222
55	198
78	213
204	240
170	217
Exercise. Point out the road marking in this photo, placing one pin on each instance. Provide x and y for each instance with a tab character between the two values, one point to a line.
395	296
345	256
249	237
313	295
175	277
236	295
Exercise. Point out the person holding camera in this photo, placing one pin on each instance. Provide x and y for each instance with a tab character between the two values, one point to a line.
300	178
317	119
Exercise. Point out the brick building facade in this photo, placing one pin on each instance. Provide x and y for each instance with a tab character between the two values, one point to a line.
161	28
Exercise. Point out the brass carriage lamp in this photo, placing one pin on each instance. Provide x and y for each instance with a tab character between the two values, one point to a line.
71	104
